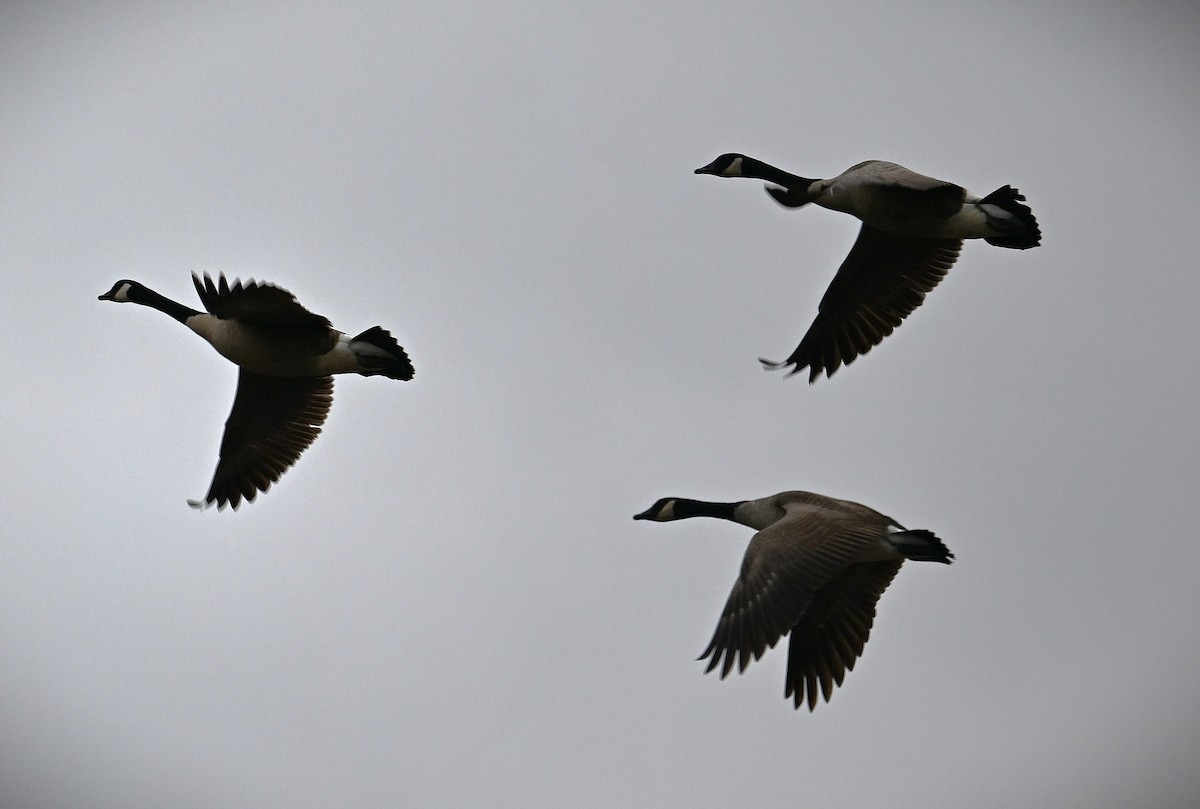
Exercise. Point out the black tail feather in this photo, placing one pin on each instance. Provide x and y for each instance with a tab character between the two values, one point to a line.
395	366
1027	234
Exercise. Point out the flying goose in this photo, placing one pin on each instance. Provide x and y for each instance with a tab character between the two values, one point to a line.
286	356
913	228
814	570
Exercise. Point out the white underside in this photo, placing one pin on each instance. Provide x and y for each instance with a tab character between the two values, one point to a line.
247	349
971	222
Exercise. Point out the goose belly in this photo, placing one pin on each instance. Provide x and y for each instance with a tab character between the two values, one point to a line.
968	223
277	351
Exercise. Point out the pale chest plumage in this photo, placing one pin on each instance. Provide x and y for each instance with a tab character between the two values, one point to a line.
275	351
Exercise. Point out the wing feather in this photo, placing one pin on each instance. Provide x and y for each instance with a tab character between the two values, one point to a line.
784	569
883	279
829	638
255	302
274	419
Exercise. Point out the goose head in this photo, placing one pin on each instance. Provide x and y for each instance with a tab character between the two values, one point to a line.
662	511
121	291
727	165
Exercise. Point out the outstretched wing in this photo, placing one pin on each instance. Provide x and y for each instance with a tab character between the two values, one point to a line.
274	419
785	568
829	638
255	302
885	277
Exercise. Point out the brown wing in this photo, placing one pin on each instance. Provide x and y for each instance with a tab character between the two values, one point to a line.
255	302
784	569
885	277
938	197
273	420
827	641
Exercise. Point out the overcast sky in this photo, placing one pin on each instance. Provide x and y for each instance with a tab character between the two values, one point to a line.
445	602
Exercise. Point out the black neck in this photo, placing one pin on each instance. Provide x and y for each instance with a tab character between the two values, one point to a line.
765	171
148	297
685	508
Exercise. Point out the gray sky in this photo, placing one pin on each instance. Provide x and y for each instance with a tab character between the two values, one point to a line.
446	603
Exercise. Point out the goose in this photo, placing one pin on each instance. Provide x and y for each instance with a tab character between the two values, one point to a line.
913	229
286	356
814	571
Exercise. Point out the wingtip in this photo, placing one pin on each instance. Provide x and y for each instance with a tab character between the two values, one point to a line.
219	502
771	365
787	197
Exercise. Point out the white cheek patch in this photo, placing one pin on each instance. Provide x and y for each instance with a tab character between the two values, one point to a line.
734	169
